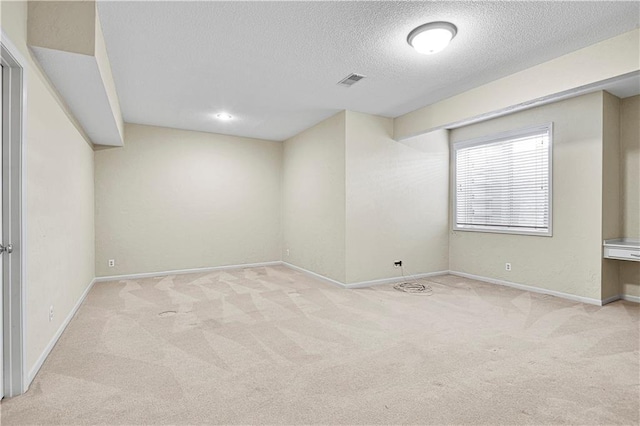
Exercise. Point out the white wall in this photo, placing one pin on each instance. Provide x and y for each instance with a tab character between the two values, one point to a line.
630	188
175	199
570	261
397	200
313	199
60	210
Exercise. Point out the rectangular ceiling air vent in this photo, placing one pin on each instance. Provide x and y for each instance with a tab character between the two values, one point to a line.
351	79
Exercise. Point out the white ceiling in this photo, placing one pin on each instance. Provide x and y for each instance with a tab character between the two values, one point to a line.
274	65
624	87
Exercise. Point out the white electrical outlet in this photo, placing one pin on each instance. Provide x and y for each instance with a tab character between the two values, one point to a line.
287	252
50	313
507	266
112	263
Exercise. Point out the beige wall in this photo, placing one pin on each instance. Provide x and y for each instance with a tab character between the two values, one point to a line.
67	39
570	261
313	199
611	218
64	25
630	188
175	199
60	200
146	230
397	200
355	200
610	58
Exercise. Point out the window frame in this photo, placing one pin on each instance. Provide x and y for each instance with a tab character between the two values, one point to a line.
495	138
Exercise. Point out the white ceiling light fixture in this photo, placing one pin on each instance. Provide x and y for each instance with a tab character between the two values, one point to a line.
432	37
223	116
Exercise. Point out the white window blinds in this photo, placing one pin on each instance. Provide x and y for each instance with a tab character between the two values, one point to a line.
502	184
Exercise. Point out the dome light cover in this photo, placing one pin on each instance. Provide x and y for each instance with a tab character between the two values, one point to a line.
432	37
223	116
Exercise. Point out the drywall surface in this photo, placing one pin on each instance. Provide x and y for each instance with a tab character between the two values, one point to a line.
611	218
102	61
630	165
570	260
66	38
175	199
60	201
313	199
608	59
630	188
70	25
397	200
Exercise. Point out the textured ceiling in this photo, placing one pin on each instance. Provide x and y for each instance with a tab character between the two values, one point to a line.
274	65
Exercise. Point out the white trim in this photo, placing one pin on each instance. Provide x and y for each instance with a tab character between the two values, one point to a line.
34	370
630	298
15	374
496	138
627	297
611	299
363	284
314	275
183	271
15	52
505	136
532	289
23	217
393	280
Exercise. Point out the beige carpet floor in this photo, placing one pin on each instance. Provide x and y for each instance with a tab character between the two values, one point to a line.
273	346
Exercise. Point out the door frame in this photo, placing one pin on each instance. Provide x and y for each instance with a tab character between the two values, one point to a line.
14	208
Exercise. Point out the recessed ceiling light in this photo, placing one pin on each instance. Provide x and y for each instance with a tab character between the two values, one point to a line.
223	116
432	37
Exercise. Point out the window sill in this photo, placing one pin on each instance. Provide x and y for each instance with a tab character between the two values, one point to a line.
505	231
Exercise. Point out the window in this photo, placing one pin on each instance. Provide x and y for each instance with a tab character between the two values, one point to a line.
503	183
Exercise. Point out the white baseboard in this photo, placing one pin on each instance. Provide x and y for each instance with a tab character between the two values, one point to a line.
393	280
184	271
363	284
627	297
630	298
360	284
314	275
611	299
47	350
568	296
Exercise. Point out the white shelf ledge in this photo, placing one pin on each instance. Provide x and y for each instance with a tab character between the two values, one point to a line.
622	249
